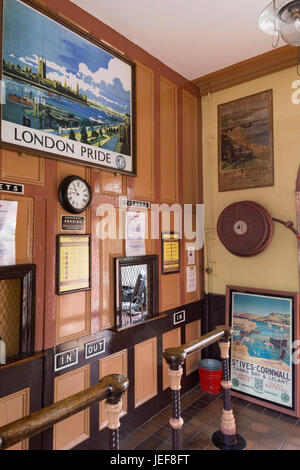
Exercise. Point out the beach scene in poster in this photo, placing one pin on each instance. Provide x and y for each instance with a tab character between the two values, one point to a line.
246	142
261	362
62	85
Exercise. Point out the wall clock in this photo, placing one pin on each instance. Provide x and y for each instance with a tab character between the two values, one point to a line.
75	194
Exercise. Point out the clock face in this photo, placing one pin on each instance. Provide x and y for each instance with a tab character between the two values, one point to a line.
75	194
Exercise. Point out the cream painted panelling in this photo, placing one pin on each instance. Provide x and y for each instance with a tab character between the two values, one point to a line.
277	266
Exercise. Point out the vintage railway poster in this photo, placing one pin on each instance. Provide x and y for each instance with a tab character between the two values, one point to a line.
261	356
246	142
64	94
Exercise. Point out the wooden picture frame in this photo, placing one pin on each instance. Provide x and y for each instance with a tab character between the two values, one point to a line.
265	327
26	273
56	102
246	142
170	252
122	318
73	260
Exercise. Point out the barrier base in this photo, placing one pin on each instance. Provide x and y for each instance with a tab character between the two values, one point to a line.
217	439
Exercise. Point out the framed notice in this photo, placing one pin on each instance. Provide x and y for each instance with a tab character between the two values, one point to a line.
263	364
64	93
246	149
170	253
73	269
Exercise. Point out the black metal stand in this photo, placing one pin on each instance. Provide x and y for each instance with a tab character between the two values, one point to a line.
227	438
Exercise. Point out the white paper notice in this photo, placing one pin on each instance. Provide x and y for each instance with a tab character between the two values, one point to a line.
191	279
135	233
191	255
8	221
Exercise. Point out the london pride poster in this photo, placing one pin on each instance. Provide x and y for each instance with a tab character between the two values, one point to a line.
261	356
64	94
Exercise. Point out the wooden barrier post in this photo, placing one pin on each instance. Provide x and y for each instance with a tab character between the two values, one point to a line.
175	360
227	438
117	384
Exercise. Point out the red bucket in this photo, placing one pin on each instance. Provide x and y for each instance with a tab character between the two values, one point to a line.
210	374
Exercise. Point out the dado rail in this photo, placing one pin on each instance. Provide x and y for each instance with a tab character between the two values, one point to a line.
111	388
226	438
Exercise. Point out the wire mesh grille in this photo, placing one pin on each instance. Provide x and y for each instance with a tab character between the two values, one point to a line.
135	288
10	314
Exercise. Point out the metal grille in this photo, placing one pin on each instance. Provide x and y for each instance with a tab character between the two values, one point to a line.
10	314
130	276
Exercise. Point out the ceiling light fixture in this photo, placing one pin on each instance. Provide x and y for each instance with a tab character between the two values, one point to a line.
281	18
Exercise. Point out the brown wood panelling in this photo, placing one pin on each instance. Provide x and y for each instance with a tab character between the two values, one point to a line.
143	184
168	141
192	331
112	183
263	64
24	228
170	339
114	364
75	429
109	248
17	166
190	148
145	371
73	316
73	310
14	407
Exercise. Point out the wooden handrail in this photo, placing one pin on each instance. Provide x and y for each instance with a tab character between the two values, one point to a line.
176	356
226	438
111	387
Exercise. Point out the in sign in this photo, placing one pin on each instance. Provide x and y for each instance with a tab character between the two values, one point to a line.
65	359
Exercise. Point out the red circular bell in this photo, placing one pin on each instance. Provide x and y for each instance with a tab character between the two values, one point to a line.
245	228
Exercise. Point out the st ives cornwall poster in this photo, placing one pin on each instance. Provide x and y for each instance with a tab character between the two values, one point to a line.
261	358
63	94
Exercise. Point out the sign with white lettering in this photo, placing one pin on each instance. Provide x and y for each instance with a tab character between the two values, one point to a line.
94	348
55	101
125	203
72	222
65	359
179	317
11	188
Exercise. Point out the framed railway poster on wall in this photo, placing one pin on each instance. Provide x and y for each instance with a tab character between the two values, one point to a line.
64	93
263	362
245	139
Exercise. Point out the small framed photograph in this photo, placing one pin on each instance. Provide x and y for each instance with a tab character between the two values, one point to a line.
263	362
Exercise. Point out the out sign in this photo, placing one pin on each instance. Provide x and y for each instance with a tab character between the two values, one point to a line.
94	348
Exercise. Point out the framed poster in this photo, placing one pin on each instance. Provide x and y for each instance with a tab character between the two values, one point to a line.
64	93
245	140
170	252
262	360
73	263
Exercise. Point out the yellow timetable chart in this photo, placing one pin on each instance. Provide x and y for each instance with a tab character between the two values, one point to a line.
170	250
74	263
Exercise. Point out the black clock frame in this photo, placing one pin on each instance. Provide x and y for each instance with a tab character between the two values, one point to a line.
63	198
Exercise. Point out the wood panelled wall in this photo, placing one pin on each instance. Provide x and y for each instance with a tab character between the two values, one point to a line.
168	171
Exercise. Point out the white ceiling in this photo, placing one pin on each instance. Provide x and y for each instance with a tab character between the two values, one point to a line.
193	37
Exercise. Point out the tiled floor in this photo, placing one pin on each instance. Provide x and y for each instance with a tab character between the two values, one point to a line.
262	428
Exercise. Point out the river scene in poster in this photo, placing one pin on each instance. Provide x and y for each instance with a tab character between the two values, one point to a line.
261	362
59	83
